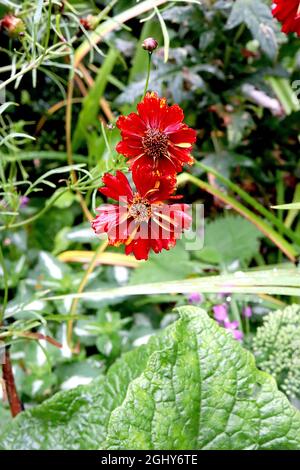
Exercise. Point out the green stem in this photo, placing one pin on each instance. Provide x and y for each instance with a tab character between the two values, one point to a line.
36	216
236	313
234	307
107	144
280	200
5	282
101	248
148	74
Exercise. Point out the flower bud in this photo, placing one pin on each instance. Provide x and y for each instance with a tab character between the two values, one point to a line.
12	25
90	22
150	44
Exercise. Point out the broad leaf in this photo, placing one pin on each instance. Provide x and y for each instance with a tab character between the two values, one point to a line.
228	239
192	387
77	419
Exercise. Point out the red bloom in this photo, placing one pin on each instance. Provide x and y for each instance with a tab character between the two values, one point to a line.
156	137
288	13
141	220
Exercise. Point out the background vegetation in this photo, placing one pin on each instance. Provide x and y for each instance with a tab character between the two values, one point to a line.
64	83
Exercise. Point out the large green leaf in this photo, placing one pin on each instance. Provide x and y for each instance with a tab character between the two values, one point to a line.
239	240
78	419
192	387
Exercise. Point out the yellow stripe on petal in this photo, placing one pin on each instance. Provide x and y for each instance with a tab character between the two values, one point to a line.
183	145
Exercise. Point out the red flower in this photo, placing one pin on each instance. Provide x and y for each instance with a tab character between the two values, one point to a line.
141	220
156	137
288	13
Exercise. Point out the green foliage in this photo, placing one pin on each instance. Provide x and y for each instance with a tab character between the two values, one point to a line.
149	396
276	348
235	77
90	108
257	16
228	239
167	266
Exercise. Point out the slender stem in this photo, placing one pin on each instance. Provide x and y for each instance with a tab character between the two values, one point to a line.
236	313
35	216
5	281
101	248
69	127
148	74
15	403
107	144
247	326
69	149
280	200
234	306
29	67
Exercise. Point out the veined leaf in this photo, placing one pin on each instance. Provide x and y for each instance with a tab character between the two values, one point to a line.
151	400
239	241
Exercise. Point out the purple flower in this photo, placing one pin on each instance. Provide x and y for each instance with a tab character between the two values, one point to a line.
238	335
221	315
231	325
247	312
220	312
195	298
24	201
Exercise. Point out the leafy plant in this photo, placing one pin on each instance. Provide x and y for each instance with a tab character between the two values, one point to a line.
151	400
276	348
92	350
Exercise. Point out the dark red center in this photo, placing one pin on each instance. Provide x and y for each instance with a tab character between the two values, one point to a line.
140	209
155	144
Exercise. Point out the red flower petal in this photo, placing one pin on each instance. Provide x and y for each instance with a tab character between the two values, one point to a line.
183	136
140	248
152	186
172	119
151	110
143	222
156	136
131	125
287	12
130	148
116	187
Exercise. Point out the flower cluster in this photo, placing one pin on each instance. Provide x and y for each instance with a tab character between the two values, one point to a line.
287	13
276	348
156	144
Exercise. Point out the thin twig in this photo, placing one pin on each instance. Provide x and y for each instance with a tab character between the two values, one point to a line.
101	248
82	202
15	403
